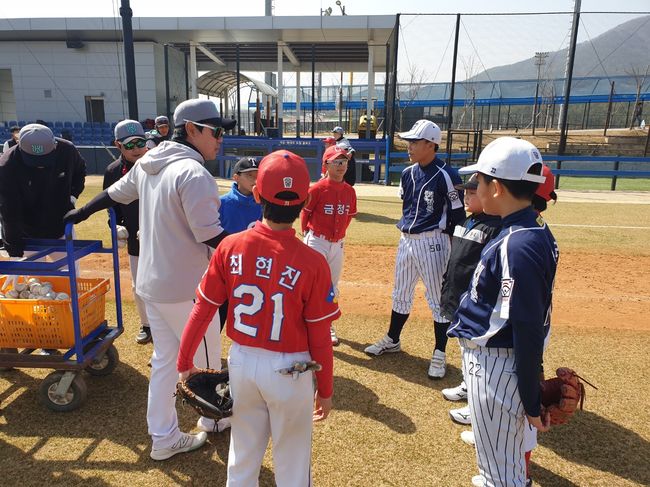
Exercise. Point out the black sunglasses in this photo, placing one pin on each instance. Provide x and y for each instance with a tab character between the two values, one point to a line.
217	132
139	143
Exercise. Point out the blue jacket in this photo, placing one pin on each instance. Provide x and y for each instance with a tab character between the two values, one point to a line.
429	199
508	302
238	212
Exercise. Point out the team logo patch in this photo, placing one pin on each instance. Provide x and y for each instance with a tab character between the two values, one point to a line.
493	170
287	182
38	149
536	155
453	195
506	287
131	128
331	295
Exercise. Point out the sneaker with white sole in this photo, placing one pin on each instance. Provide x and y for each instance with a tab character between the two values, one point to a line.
458	393
185	443
460	415
438	365
468	437
212	426
478	481
385	345
335	339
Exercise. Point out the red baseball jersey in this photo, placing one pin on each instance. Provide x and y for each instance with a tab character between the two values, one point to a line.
330	210
276	287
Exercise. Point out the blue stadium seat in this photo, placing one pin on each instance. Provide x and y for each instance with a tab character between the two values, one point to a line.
105	125
67	124
113	124
12	123
78	125
87	125
58	124
22	123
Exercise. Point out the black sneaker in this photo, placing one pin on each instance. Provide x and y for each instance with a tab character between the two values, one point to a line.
144	336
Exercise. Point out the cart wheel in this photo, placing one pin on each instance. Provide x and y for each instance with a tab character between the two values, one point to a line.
73	398
105	364
7	350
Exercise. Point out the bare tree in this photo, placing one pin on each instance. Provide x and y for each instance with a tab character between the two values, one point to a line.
410	90
640	76
471	67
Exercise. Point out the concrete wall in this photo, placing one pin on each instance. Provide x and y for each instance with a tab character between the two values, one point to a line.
50	80
7	98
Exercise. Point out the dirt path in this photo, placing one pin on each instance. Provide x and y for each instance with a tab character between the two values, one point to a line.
592	290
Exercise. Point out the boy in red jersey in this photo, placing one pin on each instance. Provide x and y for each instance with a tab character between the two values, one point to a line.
326	216
281	305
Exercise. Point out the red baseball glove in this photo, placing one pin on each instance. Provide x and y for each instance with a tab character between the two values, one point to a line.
562	395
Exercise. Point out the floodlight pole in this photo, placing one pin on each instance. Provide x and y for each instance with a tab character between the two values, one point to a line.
129	58
540	59
450	115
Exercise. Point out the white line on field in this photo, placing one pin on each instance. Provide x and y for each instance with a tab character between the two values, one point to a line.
596	226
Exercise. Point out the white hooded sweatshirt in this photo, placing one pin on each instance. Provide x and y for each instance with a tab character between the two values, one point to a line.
179	209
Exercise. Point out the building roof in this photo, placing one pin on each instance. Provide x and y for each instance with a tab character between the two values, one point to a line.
342	43
215	83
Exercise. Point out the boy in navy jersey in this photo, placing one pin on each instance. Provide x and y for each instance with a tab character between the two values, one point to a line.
504	316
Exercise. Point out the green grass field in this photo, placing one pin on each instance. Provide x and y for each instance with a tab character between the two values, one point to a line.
390	425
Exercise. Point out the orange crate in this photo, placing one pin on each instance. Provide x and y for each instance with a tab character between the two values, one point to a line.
35	323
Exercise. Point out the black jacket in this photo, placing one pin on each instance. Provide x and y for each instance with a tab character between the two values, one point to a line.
467	242
127	215
34	200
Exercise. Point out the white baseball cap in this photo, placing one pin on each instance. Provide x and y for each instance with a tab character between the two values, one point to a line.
423	129
508	158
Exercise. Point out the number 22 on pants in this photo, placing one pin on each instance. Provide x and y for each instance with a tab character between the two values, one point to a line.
474	368
254	307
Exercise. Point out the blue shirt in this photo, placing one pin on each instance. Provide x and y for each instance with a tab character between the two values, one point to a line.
238	212
429	199
508	302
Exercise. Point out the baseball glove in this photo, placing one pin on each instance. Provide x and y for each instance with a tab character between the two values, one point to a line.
208	392
562	395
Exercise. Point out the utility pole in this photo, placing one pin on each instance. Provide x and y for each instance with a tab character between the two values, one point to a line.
540	60
567	83
609	109
129	58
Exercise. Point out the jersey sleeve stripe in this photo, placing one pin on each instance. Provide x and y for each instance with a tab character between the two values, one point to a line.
334	313
206	298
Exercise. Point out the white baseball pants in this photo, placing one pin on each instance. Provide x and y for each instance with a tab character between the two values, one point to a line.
333	253
269	404
139	303
420	256
167	321
498	417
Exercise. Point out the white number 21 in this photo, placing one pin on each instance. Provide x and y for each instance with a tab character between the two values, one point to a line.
254	307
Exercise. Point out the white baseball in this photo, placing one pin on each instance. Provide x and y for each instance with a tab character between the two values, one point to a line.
20	287
50	295
45	289
35	288
62	296
13	294
2	296
24	294
122	233
32	280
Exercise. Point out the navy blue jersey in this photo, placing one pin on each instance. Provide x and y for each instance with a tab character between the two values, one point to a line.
429	199
508	302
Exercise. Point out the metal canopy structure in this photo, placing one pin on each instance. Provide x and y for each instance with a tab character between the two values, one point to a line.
215	83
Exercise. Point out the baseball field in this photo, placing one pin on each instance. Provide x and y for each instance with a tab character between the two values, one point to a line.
390	425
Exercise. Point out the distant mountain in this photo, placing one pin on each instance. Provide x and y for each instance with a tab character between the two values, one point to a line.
630	42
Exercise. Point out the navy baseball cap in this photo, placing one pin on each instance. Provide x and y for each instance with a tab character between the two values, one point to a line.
128	130
246	164
200	110
37	145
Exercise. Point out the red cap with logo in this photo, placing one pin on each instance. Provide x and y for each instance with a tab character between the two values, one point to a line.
335	152
546	189
283	171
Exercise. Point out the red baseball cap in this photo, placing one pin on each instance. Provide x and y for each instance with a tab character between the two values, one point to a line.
329	140
546	189
335	152
282	171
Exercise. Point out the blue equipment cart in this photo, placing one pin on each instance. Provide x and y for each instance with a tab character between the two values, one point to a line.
74	333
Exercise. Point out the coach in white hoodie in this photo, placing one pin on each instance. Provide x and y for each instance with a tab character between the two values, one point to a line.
179	224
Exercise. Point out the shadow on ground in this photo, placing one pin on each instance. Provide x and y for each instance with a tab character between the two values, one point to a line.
107	434
403	365
601	444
